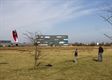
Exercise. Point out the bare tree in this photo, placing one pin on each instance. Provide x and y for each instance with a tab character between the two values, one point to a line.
108	18
34	37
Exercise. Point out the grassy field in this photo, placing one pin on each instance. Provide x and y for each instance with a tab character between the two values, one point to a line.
18	64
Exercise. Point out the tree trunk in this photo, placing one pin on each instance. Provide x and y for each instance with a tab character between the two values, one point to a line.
36	55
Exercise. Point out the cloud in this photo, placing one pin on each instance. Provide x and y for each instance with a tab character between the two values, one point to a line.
25	13
42	15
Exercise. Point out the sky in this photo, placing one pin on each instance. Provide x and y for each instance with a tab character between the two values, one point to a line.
79	19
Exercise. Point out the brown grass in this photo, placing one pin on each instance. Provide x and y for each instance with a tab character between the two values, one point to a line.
17	63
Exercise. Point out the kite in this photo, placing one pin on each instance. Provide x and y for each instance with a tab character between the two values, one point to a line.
15	36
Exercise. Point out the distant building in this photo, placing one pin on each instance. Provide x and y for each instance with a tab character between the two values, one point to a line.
52	40
5	43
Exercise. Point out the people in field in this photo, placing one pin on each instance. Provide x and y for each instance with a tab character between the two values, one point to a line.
76	55
100	52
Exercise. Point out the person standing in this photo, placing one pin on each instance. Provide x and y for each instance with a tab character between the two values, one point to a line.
100	52
75	55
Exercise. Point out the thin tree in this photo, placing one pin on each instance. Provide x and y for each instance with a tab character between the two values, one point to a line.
34	37
108	18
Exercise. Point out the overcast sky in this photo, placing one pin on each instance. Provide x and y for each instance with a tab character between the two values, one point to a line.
79	19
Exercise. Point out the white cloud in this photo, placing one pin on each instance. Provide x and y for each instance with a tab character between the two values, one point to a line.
42	15
24	12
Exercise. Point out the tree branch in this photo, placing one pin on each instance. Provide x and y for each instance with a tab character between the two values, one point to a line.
108	36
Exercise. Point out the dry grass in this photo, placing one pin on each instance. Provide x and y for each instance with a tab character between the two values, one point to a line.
18	64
